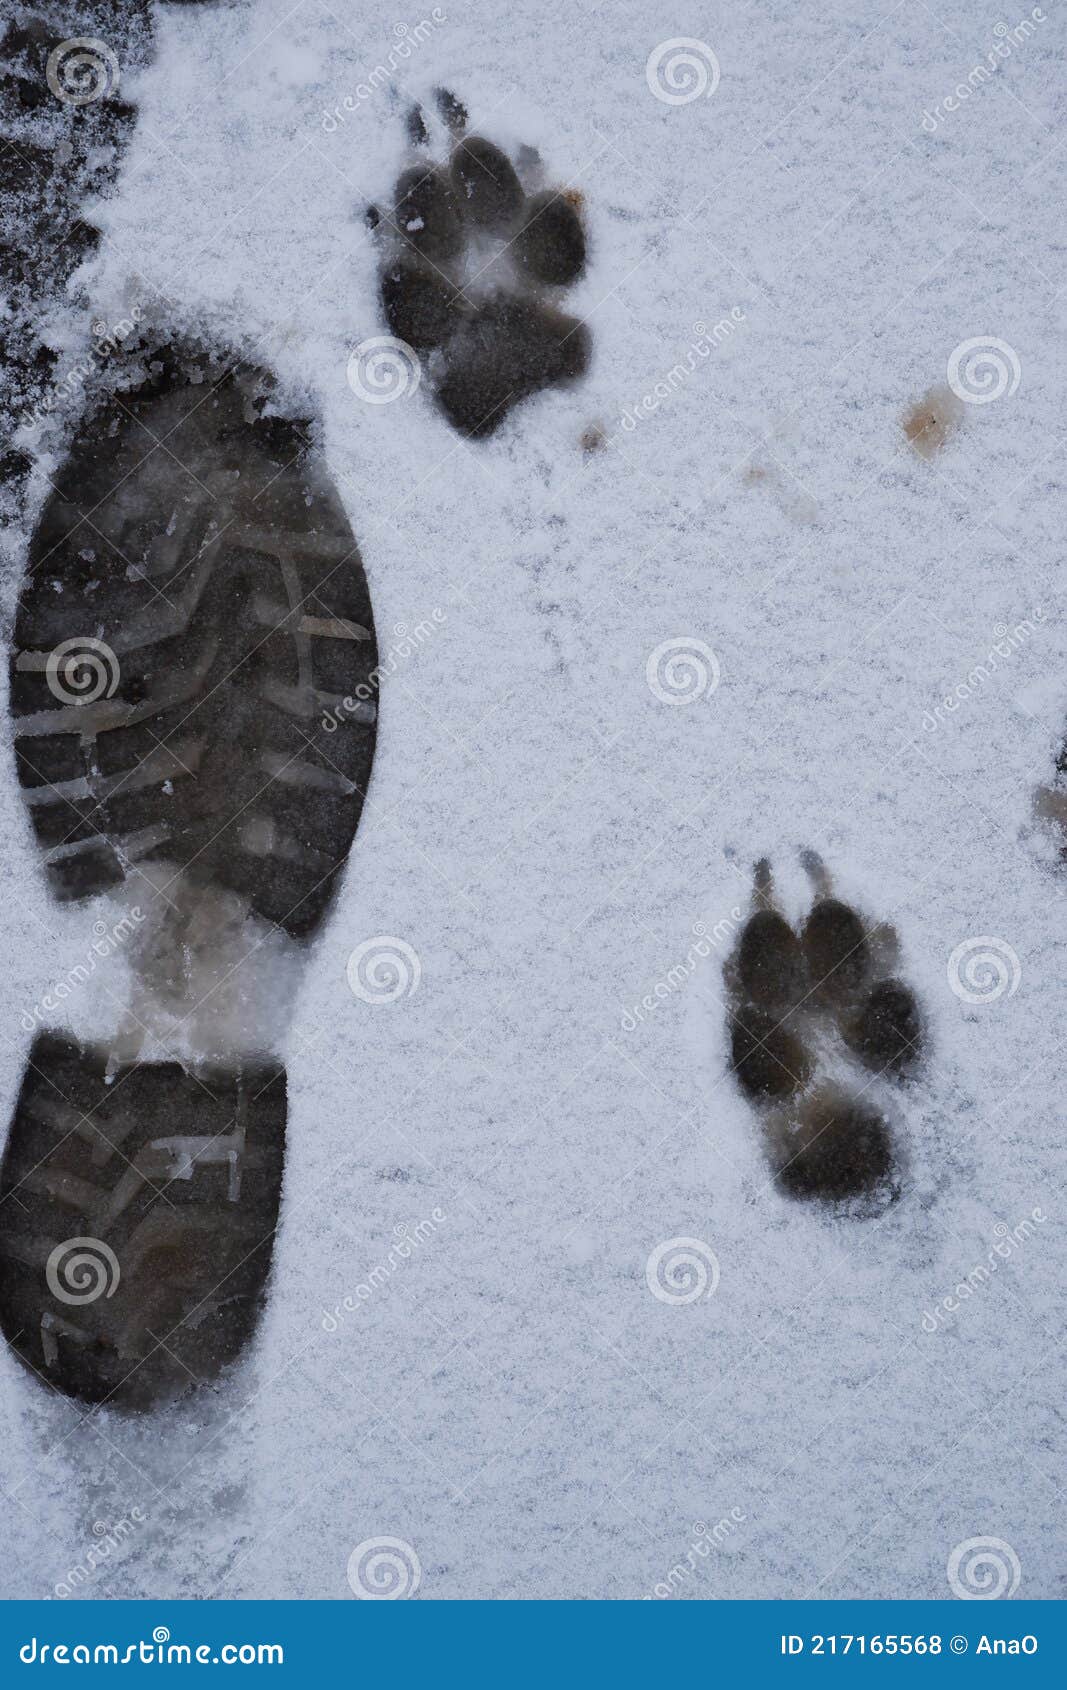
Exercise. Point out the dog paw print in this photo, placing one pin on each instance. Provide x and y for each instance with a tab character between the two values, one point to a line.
1050	802
821	1025
477	255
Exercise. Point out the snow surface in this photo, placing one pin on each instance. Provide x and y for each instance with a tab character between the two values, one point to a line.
513	1401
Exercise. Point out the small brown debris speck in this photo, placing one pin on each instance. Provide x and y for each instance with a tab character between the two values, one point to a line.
932	420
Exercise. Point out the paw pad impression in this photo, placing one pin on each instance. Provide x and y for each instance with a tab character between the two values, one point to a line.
473	251
805	1007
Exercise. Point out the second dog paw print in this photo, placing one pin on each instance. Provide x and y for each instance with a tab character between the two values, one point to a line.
818	1020
475	255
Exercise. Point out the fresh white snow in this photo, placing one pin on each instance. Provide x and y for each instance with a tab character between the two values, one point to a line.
546	833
